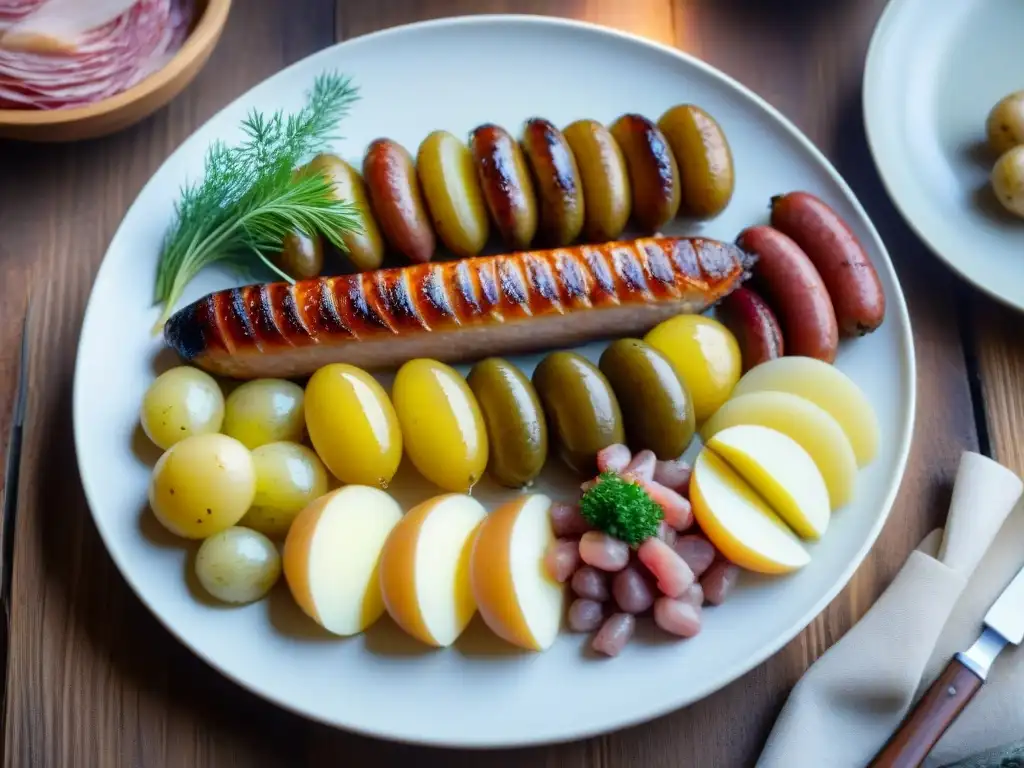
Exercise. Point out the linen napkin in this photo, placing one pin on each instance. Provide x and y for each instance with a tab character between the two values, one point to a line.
848	704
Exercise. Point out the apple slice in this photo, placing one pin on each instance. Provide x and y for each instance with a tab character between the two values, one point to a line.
781	471
424	568
828	388
516	597
331	556
738	521
810	426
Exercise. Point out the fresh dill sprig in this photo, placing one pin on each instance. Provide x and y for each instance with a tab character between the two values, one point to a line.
251	197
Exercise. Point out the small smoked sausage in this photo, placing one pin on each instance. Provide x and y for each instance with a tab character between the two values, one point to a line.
505	181
788	279
753	324
838	256
396	199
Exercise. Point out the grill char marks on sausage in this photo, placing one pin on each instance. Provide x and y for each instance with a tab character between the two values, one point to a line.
457	310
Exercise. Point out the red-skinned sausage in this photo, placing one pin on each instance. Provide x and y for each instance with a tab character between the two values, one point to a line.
786	277
839	257
753	324
396	198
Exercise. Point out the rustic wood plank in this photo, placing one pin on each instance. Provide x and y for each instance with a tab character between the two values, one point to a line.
650	18
93	679
999	347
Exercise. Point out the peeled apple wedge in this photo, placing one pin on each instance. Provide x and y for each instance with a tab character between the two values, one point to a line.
828	388
516	597
810	426
782	472
332	553
739	522
424	568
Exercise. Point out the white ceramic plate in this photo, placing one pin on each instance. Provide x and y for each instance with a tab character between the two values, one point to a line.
930	81
456	74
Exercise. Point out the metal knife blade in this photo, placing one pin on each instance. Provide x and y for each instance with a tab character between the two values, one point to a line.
1006	616
1004	625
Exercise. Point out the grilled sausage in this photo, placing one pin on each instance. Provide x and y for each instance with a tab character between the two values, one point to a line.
787	278
455	311
397	200
838	256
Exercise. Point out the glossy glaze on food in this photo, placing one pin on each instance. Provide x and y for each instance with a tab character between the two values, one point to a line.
455	311
506	184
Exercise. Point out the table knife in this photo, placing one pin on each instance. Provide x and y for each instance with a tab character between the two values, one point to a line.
943	702
12	473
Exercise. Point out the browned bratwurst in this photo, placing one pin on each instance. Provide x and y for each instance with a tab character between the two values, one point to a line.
795	290
455	311
753	324
397	200
839	258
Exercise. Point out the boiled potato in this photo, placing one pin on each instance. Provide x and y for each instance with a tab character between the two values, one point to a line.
706	356
828	388
450	185
202	485
738	520
1005	124
424	577
353	426
811	427
264	411
442	426
1008	180
515	594
332	557
181	402
288	477
238	565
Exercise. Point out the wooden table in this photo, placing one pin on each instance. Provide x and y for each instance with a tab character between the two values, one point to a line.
93	680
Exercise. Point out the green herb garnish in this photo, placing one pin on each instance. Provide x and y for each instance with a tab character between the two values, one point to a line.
250	196
621	508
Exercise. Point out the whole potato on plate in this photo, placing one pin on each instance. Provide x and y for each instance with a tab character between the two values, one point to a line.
1008	180
1005	124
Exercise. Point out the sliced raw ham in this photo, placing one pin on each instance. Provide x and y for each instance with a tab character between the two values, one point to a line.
13	11
59	25
82	56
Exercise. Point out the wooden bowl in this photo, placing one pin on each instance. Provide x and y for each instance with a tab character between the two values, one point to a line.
128	107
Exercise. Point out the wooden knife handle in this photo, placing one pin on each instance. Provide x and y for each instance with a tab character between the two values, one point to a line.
934	713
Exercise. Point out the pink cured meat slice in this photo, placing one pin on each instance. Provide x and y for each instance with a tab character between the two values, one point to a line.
106	61
13	11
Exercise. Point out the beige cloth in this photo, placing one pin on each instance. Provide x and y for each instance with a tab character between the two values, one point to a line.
852	699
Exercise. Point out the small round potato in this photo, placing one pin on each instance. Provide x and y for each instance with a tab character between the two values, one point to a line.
288	477
238	565
1005	124
181	402
202	485
1008	180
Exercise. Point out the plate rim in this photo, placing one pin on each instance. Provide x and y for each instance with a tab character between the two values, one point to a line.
870	107
736	671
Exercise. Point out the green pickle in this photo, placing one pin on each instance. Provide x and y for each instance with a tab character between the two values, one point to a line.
582	411
516	427
656	405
